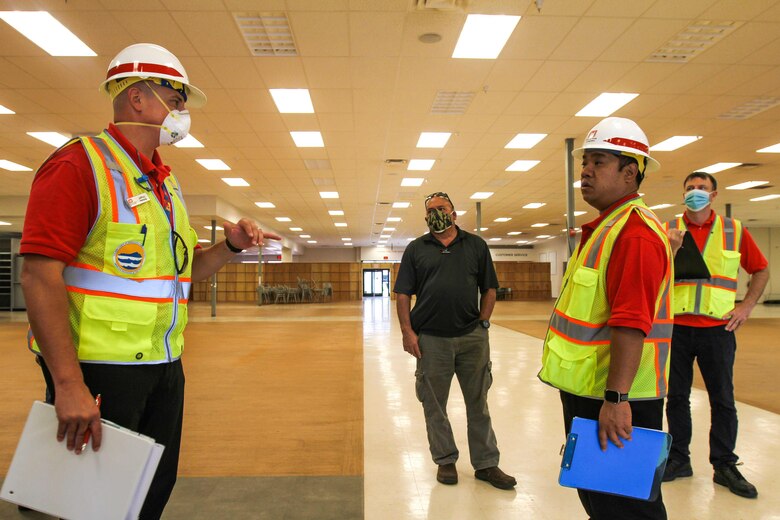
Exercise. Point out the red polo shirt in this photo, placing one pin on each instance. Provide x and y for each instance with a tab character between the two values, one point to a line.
635	271
752	260
63	202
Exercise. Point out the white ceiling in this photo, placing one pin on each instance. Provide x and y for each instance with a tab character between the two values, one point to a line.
373	83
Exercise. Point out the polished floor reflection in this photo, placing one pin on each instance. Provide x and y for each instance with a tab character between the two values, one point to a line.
400	478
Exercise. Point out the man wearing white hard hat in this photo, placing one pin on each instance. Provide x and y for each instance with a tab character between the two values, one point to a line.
110	258
607	346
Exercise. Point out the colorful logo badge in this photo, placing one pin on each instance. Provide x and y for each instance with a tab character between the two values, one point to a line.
129	257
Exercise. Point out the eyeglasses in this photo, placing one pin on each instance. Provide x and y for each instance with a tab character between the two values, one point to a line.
178	242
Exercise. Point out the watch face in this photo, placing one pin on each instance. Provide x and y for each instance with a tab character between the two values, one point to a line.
485	324
612	396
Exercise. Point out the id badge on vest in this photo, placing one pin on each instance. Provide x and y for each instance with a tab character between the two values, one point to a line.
138	200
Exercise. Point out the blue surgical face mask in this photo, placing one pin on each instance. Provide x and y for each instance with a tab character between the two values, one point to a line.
697	200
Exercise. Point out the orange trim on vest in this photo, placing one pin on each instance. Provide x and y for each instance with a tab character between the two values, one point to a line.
109	181
121	296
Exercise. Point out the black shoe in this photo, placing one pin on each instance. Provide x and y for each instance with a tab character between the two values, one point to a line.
447	474
676	469
496	477
730	477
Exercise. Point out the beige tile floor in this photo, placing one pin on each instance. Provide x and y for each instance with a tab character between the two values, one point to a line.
400	478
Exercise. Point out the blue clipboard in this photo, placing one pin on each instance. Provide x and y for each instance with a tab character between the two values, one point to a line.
634	471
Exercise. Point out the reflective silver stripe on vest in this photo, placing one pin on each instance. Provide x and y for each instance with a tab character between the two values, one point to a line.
598	240
721	283
103	282
663	355
124	213
579	332
729	234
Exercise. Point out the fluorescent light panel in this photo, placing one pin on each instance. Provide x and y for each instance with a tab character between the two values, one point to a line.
12	166
388	229
495	239
336	213
6	111
311	241
534	205
400	205
421	164
216	228
540	224
346	239
525	141
481	195
305	236
308	139
521	166
189	142
283	219
433	139
234	181
53	138
605	104
502	219
775	148
329	194
265	205
213	164
661	206
746	185
765	197
296	229
394	219
46	32
718	167
674	142
484	36
340	224
292	100
514	233
460	212
412	181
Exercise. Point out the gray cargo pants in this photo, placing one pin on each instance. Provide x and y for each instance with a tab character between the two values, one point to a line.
468	357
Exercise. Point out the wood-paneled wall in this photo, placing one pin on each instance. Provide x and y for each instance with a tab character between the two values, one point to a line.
528	280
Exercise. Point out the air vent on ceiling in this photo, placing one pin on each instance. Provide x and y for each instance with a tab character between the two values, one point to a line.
317	164
442	5
693	40
395	163
383	203
451	102
323	181
751	108
267	34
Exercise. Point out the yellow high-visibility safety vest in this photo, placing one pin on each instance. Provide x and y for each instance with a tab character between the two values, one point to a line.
576	354
128	303
713	297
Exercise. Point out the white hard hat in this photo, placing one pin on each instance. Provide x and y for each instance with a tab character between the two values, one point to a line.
620	135
147	61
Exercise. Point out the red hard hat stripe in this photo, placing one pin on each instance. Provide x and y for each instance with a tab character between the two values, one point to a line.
630	143
152	68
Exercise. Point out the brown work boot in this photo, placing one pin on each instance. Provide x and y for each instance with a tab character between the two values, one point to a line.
447	474
496	477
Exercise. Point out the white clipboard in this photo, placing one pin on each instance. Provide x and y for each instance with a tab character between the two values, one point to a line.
108	484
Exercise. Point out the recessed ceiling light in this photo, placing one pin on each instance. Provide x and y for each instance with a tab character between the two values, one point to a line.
292	100
296	229
513	233
495	239
305	236
336	213
213	164
204	241
521	166
484	36
388	229
543	236
502	219
433	139
400	205
384	236
765	197
412	181
460	212
329	194
347	243
675	142
775	148
521	242
382	242
12	166
718	167
605	104
46	32
576	184
283	219
482	195
52	138
678	215
311	241
481	229
534	205
346	239
394	219
189	142
265	204
6	111
340	224
661	206
421	164
746	185
525	141
540	224
216	228
308	139
576	213
234	181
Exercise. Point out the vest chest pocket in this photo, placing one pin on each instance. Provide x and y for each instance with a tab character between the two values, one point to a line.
569	368
130	250
730	263
583	293
116	330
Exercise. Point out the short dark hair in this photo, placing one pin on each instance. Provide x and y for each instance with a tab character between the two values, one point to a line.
625	160
702	175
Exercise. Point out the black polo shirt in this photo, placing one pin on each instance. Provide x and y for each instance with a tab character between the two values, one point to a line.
447	282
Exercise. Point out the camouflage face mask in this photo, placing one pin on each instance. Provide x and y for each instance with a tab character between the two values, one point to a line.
439	220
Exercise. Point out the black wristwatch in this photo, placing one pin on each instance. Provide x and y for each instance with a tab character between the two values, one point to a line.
485	324
614	397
